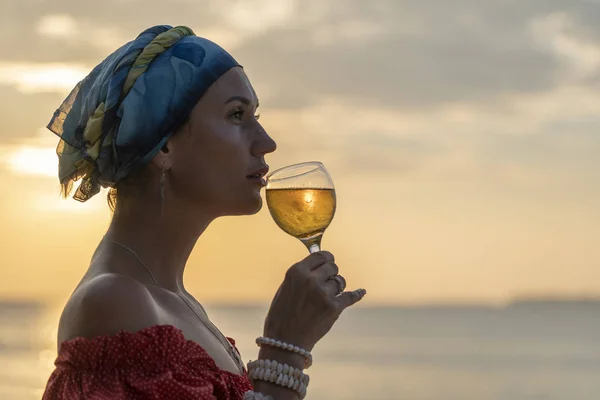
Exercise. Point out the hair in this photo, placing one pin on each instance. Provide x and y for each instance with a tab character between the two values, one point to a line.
132	187
120	196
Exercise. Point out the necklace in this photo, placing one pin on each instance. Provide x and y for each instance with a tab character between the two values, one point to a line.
231	350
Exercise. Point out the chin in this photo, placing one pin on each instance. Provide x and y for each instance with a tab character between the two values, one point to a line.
258	203
250	207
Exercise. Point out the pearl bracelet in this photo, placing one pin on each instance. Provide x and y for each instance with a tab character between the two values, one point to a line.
279	374
286	346
250	395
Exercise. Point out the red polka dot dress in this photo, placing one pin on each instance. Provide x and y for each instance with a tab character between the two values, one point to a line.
156	363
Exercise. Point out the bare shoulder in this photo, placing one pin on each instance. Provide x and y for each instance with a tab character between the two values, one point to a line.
106	304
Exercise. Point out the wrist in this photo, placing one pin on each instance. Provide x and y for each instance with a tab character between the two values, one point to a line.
289	338
281	356
275	391
280	380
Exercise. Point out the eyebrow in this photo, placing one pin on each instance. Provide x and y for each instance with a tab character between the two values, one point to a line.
241	99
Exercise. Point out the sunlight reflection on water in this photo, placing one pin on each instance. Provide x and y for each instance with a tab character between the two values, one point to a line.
27	348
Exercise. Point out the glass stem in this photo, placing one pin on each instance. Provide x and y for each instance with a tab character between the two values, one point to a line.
313	244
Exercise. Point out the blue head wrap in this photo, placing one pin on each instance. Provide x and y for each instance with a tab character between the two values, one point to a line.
118	117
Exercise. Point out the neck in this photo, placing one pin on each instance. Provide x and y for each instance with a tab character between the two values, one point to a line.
163	242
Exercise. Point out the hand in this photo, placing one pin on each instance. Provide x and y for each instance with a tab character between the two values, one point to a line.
307	303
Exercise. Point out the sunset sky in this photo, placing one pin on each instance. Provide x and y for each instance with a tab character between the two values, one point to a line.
463	137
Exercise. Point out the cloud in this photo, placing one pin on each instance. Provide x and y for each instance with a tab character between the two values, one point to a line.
70	31
33	78
544	140
84	32
423	54
558	34
254	16
30	160
24	114
59	26
432	90
411	55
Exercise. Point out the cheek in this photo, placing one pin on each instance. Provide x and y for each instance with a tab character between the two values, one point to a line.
215	159
218	162
227	150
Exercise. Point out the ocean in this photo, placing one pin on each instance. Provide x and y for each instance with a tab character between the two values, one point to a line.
525	352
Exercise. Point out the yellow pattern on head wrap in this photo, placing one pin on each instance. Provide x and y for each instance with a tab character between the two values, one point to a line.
93	129
161	43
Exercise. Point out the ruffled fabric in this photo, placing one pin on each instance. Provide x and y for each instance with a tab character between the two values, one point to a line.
154	363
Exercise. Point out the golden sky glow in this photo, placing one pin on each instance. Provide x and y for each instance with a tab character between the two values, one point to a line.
463	142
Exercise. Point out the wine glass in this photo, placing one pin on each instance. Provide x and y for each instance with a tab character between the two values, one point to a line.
301	200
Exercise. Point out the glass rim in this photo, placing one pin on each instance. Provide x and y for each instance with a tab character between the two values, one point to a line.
316	164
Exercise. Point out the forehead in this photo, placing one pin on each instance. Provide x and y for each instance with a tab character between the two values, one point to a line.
234	82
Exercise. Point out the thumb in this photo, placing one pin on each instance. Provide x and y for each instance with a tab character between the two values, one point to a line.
348	299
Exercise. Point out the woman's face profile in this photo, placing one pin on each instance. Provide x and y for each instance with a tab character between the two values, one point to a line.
214	155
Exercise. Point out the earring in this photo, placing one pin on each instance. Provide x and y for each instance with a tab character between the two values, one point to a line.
163	178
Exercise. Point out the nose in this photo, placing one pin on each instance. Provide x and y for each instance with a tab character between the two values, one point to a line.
264	144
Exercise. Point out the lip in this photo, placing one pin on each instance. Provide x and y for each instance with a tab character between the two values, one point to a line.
258	181
259	173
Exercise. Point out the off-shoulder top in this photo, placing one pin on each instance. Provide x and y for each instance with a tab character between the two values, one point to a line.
154	363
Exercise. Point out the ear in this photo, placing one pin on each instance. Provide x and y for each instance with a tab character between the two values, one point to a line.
164	158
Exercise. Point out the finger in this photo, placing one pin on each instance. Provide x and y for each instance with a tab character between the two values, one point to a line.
335	285
332	288
315	260
348	299
327	270
341	282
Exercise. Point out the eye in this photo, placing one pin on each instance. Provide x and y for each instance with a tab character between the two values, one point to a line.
237	114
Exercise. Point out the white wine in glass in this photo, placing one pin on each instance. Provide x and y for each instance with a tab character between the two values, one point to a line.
301	200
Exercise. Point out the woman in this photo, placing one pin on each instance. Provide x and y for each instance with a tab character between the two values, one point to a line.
169	123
